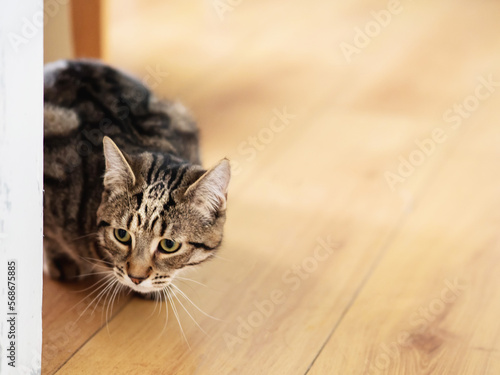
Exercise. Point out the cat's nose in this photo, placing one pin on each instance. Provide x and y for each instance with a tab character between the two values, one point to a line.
138	272
136	280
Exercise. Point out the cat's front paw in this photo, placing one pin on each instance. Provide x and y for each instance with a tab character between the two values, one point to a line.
62	267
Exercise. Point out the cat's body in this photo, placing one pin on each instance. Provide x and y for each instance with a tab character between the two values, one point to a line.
155	211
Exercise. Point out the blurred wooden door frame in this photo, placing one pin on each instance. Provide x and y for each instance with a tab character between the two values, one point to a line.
86	20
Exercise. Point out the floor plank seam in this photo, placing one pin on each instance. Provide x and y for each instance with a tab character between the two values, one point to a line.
404	216
91	337
386	245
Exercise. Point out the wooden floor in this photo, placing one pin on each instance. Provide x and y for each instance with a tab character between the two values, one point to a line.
363	232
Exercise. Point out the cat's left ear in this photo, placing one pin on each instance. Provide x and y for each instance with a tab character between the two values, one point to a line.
209	193
119	174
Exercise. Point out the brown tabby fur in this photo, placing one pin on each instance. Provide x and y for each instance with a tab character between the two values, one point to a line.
147	179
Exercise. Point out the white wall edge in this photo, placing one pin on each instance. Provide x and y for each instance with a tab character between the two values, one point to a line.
21	184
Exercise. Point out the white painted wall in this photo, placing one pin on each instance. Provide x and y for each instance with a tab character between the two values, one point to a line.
21	178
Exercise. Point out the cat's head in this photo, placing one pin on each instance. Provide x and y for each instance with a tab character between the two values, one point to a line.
158	215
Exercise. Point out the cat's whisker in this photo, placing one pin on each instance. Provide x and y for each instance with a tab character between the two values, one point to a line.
104	286
97	273
222	258
85	236
111	295
106	302
157	301
121	289
189	286
106	308
105	278
161	301
192	303
184	279
166	309
116	291
187	312
98	264
104	281
101	288
174	309
92	260
155	296
154	307
194	281
176	313
102	294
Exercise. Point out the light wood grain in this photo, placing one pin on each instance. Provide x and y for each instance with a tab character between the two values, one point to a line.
431	305
70	316
320	177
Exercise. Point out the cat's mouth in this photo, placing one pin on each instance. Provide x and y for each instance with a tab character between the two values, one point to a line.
145	286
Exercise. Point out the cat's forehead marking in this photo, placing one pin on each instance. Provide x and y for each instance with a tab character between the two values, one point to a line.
138	199
156	191
158	196
153	223
162	167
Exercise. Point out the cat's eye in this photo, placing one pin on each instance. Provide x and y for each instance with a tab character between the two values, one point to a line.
123	236
167	246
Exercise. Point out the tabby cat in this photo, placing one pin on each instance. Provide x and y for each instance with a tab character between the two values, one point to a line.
123	182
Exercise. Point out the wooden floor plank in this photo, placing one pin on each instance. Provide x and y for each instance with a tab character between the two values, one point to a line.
431	305
69	319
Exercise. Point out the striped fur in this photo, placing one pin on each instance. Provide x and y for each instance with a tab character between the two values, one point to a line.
146	179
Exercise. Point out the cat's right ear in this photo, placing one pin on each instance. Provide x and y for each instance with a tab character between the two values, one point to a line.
119	174
209	193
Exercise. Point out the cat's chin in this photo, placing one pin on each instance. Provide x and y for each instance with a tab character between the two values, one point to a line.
140	289
149	296
144	289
